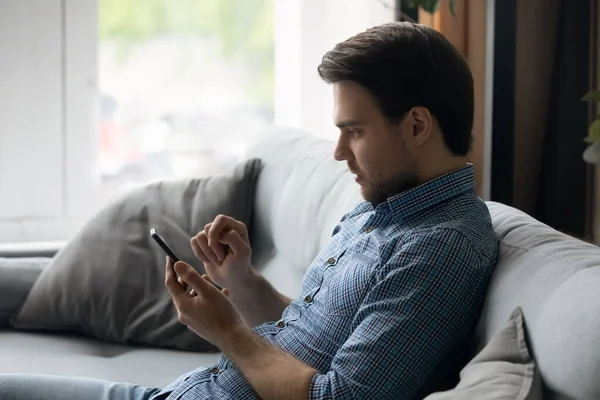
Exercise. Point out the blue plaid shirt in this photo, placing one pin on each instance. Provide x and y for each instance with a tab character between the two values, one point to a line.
385	302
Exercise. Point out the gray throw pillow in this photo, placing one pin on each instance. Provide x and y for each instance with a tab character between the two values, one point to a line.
504	369
108	281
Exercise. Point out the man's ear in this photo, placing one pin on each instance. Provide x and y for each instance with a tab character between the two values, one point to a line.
421	125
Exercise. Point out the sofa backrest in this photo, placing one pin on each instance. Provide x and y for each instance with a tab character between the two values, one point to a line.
302	193
555	279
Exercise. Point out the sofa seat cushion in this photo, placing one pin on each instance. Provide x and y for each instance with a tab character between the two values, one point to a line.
555	280
55	354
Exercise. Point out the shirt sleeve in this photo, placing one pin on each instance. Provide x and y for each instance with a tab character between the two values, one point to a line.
423	301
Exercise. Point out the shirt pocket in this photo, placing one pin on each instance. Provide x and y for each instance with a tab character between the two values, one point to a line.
346	286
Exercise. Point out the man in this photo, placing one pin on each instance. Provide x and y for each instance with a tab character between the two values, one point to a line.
399	286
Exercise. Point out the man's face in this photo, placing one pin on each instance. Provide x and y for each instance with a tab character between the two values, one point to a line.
375	151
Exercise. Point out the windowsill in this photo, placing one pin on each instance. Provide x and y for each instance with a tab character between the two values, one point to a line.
31	249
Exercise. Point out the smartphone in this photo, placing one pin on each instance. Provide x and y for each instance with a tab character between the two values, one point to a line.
171	254
163	245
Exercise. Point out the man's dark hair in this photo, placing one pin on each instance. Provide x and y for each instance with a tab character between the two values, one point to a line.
404	65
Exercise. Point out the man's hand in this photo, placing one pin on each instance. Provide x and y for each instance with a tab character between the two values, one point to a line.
207	312
224	248
211	315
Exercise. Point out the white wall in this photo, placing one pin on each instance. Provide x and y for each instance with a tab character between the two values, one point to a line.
45	116
31	66
305	30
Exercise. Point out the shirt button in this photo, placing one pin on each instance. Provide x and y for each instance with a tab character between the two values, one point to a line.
308	298
280	324
331	260
369	229
215	370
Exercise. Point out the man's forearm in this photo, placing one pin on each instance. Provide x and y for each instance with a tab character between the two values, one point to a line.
258	301
274	374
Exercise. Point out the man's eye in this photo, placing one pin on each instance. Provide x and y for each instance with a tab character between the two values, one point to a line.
355	132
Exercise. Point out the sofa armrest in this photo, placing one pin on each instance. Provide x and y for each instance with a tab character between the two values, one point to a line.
17	276
30	249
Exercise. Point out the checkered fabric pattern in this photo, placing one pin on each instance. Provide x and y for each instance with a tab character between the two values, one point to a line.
384	302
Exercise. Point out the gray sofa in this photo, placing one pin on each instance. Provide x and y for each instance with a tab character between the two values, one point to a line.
302	193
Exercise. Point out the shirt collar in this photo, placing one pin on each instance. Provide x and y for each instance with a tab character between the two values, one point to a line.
435	191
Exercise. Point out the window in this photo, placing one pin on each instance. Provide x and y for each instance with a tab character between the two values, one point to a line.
104	93
181	84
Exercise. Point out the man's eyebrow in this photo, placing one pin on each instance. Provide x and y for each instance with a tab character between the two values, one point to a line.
347	124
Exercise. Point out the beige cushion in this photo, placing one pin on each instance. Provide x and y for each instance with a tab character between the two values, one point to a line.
504	369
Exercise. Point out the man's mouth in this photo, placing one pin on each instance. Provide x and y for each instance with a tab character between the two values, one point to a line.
356	175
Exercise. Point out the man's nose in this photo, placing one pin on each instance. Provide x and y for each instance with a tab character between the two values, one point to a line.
341	150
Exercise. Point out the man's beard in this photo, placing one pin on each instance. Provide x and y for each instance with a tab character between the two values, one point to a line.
380	192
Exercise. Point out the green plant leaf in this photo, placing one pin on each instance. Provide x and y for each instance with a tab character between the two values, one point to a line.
430	6
594	132
591	96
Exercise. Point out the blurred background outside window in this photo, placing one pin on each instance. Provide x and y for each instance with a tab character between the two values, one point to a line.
181	85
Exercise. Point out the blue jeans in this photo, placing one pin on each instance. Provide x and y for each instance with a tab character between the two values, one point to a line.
49	387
